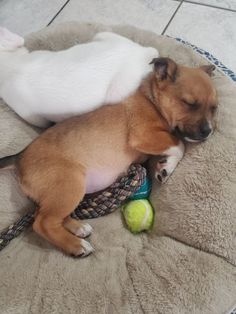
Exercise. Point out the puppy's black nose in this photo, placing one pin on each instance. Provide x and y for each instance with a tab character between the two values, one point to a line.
204	130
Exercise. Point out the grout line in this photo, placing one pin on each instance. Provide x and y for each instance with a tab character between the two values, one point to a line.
58	12
177	9
208	5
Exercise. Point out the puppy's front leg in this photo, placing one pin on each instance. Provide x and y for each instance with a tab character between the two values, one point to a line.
168	148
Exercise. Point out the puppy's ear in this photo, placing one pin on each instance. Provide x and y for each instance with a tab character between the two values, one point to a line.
208	69
165	69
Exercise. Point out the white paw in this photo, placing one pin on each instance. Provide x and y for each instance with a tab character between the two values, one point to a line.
84	231
167	164
165	168
86	249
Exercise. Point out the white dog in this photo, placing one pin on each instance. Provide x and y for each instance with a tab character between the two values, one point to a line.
44	86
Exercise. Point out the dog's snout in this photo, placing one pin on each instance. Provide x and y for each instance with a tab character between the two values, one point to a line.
205	130
198	134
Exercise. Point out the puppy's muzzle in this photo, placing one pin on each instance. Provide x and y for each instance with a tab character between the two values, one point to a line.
202	133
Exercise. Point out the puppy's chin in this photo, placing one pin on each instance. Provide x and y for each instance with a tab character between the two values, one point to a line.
190	140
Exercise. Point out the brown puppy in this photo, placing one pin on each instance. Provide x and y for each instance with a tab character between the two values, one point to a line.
87	153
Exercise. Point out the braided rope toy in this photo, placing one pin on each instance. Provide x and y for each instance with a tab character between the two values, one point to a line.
92	206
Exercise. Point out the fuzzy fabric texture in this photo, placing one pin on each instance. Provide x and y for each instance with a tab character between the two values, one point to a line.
186	265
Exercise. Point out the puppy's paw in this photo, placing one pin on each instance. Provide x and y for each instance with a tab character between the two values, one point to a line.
164	168
86	248
79	229
161	173
84	230
168	162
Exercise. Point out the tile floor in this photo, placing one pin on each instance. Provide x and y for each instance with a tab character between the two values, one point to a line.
209	24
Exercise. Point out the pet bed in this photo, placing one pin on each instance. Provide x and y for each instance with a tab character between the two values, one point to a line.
187	264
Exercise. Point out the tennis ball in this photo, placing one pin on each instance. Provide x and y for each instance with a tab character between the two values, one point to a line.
138	215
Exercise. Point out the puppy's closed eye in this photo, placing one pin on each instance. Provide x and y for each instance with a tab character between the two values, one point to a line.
191	105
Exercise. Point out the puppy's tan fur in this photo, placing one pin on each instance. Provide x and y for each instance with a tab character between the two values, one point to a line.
54	169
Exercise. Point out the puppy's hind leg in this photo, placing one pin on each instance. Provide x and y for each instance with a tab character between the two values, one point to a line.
53	213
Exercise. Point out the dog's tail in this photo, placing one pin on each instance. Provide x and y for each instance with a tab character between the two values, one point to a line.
8	162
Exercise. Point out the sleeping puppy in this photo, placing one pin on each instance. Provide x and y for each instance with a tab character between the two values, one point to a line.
44	86
87	153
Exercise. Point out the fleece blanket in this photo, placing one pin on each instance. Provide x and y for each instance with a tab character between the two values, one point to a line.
185	265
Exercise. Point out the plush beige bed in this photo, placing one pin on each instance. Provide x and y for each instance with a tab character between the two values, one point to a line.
186	265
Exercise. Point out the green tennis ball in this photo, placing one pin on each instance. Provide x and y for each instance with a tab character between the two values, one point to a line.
138	215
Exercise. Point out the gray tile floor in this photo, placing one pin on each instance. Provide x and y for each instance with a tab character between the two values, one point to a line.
209	24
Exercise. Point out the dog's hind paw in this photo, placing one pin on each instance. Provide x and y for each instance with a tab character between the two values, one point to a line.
86	248
81	230
84	230
82	250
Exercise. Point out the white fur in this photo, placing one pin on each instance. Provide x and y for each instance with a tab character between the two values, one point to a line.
190	140
84	231
86	248
9	41
43	86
